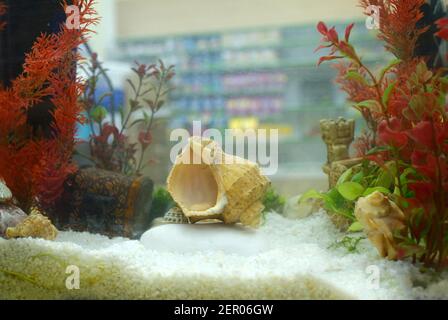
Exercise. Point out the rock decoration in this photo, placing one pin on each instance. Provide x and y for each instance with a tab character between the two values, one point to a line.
381	219
10	215
173	216
5	193
105	202
207	183
36	225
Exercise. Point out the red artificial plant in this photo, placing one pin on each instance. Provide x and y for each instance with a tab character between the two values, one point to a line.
35	165
2	13
404	105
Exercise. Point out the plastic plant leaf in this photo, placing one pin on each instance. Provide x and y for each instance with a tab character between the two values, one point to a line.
372	105
356	227
351	190
358	177
356	76
369	191
379	149
99	114
345	176
335	202
311	194
386	177
387	68
388	92
397	190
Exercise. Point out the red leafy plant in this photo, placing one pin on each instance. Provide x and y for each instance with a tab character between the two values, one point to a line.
33	164
111	147
2	13
404	106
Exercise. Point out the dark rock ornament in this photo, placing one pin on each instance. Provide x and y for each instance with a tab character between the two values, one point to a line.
105	202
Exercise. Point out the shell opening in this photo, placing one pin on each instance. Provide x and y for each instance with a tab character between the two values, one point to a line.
195	189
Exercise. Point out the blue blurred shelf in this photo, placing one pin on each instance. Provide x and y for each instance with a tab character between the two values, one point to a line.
212	78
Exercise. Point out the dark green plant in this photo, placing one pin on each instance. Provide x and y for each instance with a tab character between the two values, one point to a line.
161	202
273	201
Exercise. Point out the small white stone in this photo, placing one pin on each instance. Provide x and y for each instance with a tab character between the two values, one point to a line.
207	237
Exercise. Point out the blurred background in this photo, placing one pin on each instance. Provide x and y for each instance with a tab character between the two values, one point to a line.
239	64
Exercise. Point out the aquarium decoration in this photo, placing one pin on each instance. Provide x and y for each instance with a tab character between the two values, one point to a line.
110	145
112	196
10	215
35	225
207	183
36	156
105	202
397	195
35	161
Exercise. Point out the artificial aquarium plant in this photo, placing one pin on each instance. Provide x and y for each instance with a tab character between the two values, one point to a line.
2	13
406	146
36	160
111	147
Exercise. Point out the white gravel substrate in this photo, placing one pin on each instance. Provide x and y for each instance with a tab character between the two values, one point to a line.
297	264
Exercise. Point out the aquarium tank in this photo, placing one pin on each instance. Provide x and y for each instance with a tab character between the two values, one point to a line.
251	151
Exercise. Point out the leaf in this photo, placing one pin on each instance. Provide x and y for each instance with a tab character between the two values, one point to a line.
336	203
369	104
328	58
351	190
356	76
160	104
358	177
322	28
132	86
378	150
369	191
386	96
385	179
397	190
98	114
348	31
345	176
405	174
355	227
137	122
386	69
311	194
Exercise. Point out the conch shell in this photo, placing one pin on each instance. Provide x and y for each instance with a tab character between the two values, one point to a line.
35	225
207	183
381	218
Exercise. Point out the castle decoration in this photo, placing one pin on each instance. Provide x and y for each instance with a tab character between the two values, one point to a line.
338	136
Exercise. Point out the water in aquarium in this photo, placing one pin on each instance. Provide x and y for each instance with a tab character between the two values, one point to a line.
223	150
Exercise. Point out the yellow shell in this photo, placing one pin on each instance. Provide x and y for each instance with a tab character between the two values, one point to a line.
35	225
207	183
